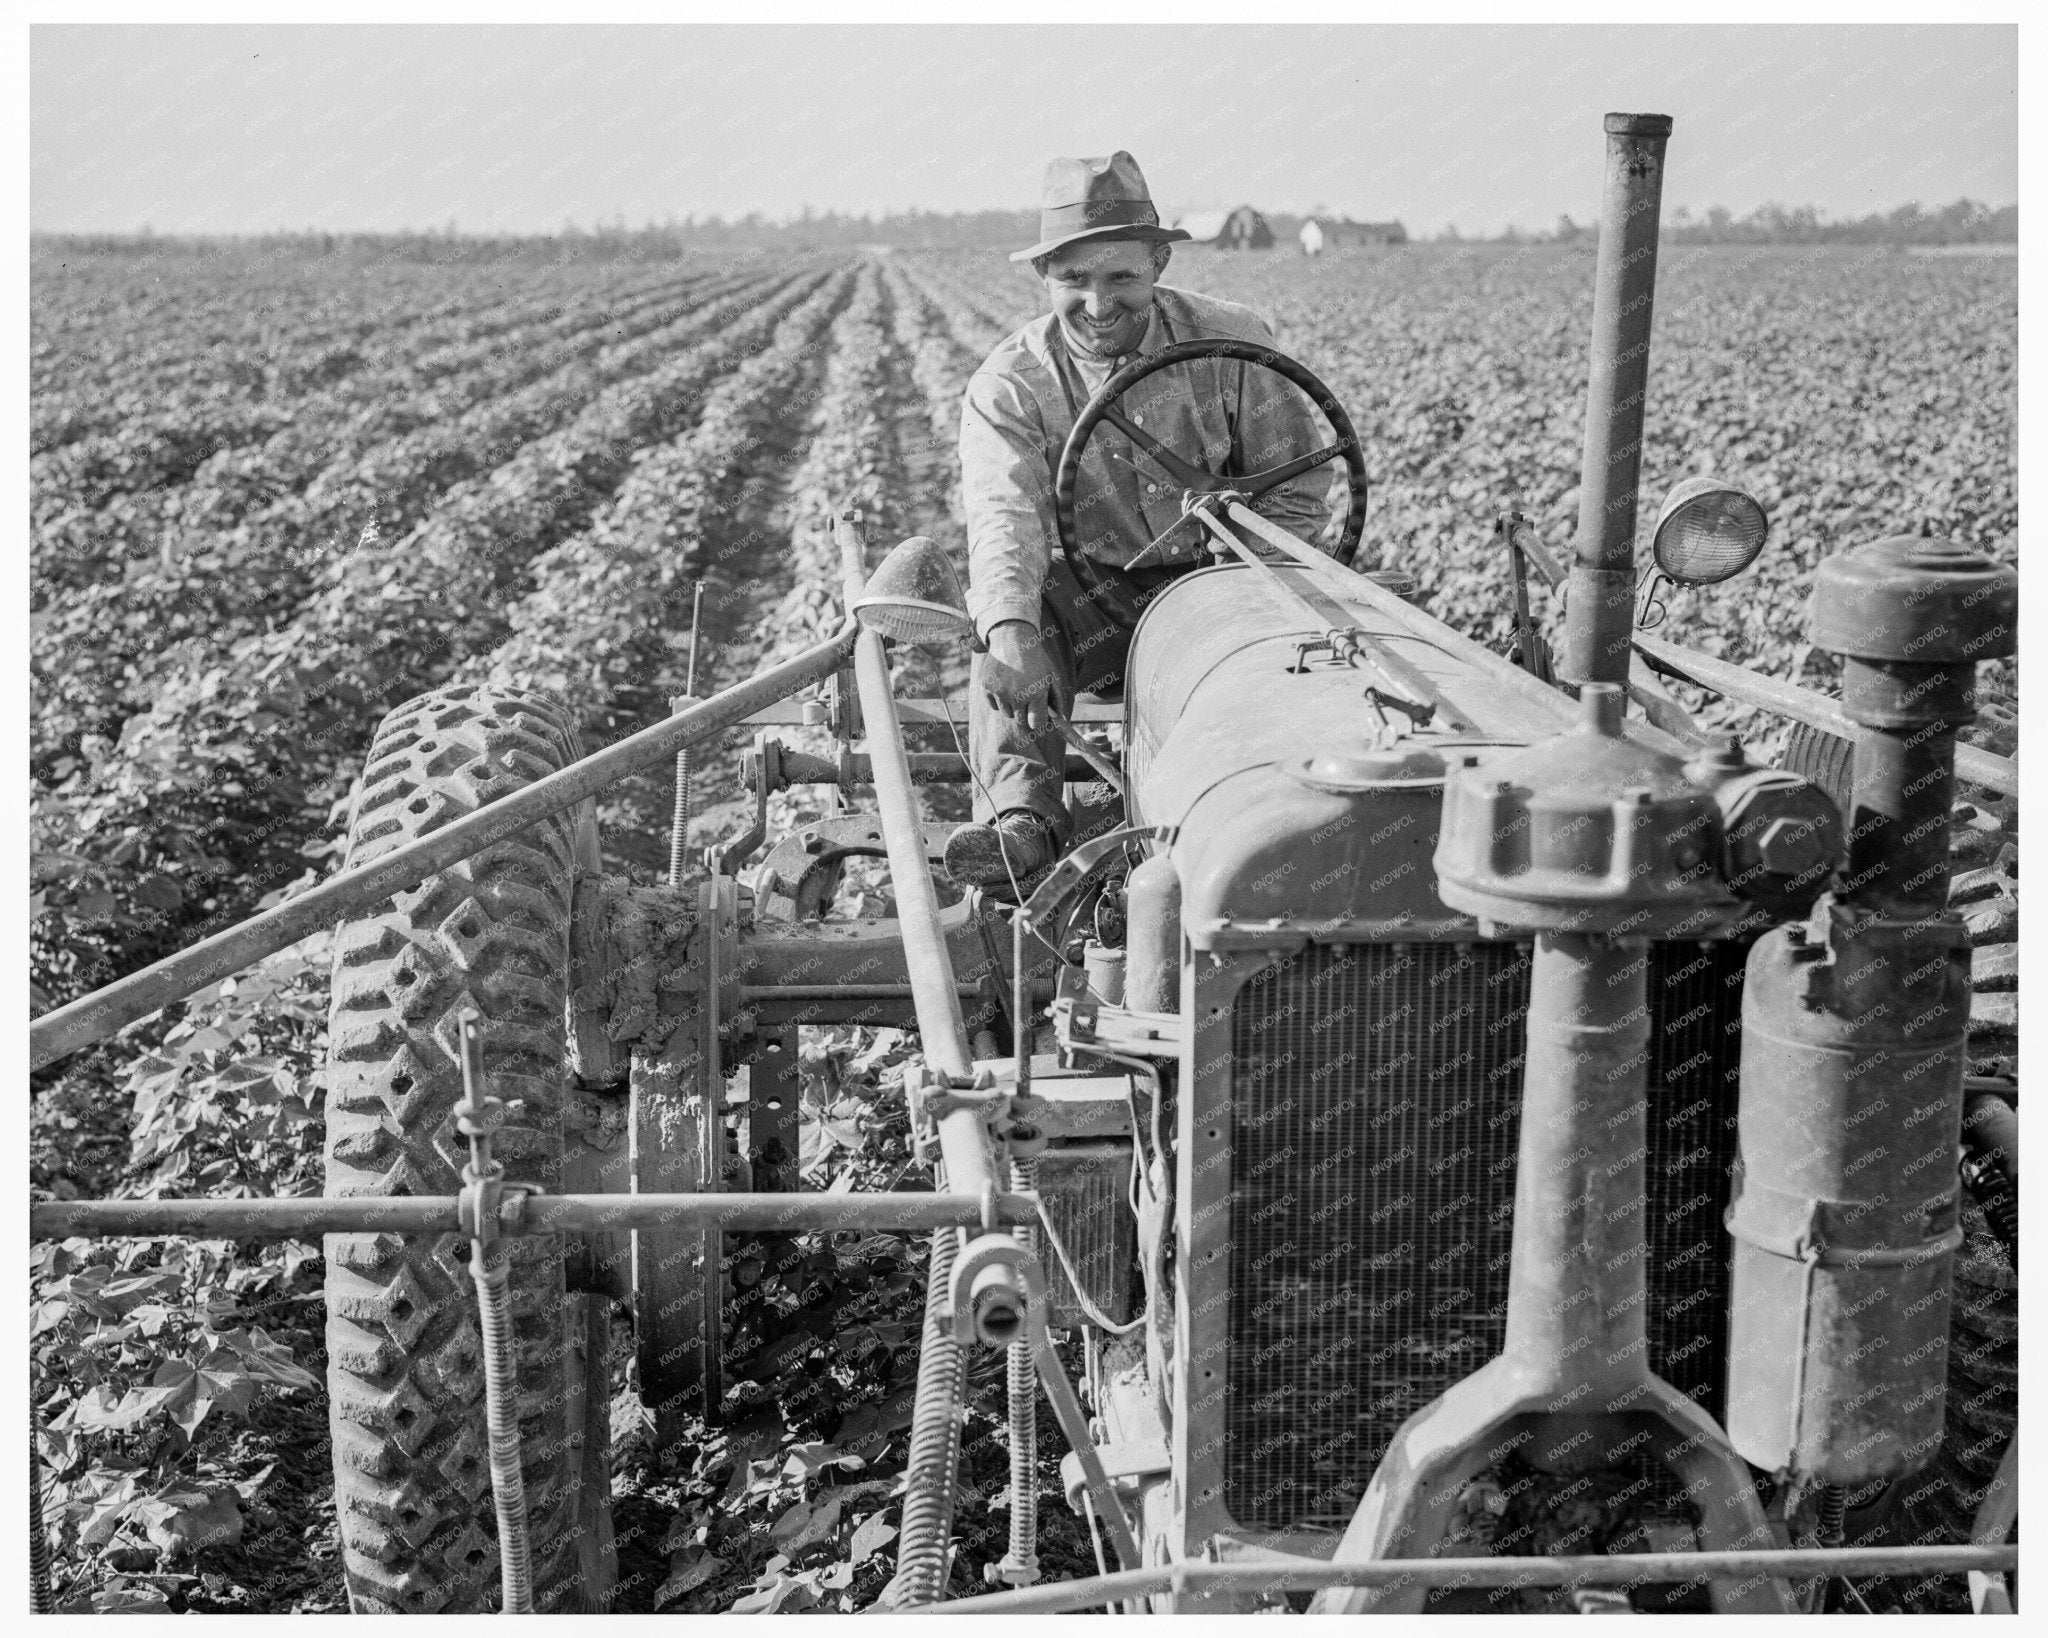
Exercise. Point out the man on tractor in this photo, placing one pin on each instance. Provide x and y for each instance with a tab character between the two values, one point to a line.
1101	252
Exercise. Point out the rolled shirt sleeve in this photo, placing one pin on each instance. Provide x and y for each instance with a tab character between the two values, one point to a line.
1006	493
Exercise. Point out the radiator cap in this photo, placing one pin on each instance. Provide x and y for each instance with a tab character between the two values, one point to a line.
1587	832
1405	765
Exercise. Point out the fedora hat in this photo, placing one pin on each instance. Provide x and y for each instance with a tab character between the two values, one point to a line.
1096	199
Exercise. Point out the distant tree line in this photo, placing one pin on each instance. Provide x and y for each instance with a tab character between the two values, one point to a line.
1964	222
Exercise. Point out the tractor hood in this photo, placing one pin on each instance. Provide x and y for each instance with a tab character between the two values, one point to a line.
1299	818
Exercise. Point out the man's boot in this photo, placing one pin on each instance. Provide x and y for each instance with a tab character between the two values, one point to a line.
1016	848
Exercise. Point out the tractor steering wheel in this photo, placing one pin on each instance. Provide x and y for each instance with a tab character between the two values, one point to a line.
1108	587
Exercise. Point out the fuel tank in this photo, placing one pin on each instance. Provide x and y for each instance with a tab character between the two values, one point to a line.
1301	815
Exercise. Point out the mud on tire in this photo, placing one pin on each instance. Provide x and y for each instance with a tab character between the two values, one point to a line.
405	1373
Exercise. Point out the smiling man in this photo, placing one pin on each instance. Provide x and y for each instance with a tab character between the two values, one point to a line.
1101	252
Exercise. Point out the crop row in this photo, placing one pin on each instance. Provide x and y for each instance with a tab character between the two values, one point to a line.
594	628
205	467
940	363
847	464
273	340
85	438
109	639
270	729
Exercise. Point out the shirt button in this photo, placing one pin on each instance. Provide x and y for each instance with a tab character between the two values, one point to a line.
1139	419
1151	489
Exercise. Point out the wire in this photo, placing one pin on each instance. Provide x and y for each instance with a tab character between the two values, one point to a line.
1650	610
953	728
1052	1235
1081	1297
1095	1538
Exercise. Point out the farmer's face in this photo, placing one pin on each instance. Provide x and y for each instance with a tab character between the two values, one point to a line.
1103	292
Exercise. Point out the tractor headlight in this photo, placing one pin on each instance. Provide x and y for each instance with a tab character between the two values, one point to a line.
1707	531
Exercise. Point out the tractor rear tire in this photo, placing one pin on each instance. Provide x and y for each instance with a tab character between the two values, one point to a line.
405	1360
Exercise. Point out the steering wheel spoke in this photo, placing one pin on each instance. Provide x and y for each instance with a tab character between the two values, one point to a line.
1258	483
1184	473
1118	595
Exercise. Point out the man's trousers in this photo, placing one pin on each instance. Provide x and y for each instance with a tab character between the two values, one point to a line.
1014	768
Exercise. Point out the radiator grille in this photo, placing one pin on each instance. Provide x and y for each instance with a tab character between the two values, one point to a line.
1086	1188
1375	1116
1695	1074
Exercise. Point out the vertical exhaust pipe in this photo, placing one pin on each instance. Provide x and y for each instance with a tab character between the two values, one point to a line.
1600	608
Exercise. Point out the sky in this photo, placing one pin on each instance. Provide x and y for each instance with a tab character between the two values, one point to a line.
233	129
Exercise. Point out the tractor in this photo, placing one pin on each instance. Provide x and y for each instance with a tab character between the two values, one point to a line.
1444	1092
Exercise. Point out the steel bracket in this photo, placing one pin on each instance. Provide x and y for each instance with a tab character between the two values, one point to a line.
932	1096
1130	1463
1083	1023
805	867
493	1209
766	767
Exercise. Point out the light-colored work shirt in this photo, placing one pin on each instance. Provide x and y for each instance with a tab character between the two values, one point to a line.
1222	415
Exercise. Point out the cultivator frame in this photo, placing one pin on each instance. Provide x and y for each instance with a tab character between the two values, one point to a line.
953	973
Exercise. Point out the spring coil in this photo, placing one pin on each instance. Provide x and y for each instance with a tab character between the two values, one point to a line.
1834	1513
40	1601
501	1413
476	1117
679	827
925	1547
1019	1567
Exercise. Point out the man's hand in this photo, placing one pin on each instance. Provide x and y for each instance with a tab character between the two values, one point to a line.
1018	675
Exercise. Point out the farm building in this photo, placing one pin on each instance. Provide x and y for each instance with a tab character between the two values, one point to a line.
1338	232
1239	229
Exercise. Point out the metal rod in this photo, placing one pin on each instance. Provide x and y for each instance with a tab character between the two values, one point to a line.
926	768
964	1143
41	1601
1346	633
313	1215
941	1028
1532	550
1108	771
931	713
1284	1573
1052	1376
96	1016
489	1270
1784	699
1417	623
679	828
1518	571
750	993
1600	597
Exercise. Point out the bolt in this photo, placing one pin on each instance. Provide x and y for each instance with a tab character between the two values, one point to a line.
1780	849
